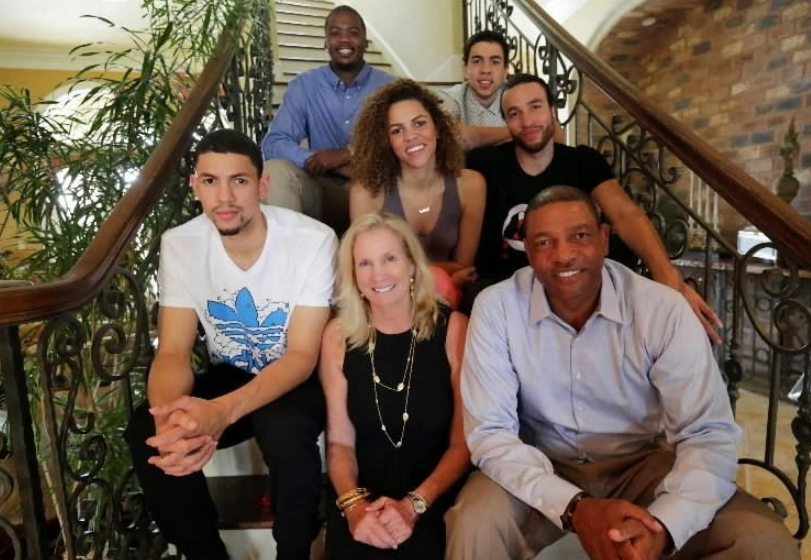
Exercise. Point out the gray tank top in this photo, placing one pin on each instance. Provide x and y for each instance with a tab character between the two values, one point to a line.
441	241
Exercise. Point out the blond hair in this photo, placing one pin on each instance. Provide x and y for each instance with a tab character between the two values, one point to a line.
354	314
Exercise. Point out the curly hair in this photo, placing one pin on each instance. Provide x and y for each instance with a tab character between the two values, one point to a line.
374	163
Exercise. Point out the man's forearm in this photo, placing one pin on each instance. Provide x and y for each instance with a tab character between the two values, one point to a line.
474	136
275	380
524	471
169	379
642	238
288	151
344	171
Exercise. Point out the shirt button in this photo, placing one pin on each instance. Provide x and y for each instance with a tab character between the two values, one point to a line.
577	375
580	408
346	122
539	503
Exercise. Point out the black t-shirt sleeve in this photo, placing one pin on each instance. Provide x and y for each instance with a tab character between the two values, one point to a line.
476	159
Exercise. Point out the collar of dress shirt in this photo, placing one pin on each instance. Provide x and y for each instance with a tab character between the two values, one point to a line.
360	80
608	307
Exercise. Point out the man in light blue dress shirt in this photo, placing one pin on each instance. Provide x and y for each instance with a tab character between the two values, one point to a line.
321	105
593	405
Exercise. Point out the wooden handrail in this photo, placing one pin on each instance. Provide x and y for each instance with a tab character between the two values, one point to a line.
95	266
779	221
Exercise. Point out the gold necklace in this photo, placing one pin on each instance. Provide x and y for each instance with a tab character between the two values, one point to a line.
404	384
420	209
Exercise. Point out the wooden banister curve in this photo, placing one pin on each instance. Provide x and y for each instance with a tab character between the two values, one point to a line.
81	283
779	221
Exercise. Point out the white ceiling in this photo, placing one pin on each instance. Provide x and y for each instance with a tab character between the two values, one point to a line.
41	30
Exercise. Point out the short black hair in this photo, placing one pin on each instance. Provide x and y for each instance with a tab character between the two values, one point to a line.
561	193
486	36
346	9
228	141
522	78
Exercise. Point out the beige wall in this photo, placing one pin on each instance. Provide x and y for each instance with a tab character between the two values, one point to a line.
420	47
39	82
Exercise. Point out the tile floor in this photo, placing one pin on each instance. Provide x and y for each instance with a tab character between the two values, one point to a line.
751	414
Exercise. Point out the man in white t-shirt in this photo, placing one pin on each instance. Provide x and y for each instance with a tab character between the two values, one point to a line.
260	280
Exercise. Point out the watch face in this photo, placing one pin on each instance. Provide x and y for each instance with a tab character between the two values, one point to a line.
419	504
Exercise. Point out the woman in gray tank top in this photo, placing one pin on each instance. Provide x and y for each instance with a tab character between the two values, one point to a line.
408	161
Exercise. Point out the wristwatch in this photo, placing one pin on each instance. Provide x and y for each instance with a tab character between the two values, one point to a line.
568	514
419	503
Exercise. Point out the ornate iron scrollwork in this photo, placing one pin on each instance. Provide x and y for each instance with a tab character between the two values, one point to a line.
7	486
777	308
88	368
783	324
530	55
248	85
86	410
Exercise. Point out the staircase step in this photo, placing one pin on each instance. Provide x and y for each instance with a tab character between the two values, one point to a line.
278	94
300	16
315	9
300	35
286	24
242	501
302	38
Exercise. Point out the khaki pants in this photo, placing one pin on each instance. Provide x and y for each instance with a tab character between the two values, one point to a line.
488	523
325	198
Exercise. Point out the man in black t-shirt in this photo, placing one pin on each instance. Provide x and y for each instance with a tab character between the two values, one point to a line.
515	172
510	188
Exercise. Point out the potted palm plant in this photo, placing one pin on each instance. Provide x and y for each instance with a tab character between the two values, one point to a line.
60	176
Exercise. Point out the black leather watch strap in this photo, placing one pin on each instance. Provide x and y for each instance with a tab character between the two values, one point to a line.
568	513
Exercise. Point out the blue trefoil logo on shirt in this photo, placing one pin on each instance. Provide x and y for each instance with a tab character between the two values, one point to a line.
249	336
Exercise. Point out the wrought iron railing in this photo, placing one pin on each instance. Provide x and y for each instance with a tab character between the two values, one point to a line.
764	305
74	351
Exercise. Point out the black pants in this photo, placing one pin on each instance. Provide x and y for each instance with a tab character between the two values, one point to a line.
286	430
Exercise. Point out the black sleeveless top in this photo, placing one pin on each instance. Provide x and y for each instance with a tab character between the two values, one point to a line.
383	468
440	243
387	470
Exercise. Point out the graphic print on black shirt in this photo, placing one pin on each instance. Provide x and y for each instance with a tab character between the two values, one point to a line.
509	190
